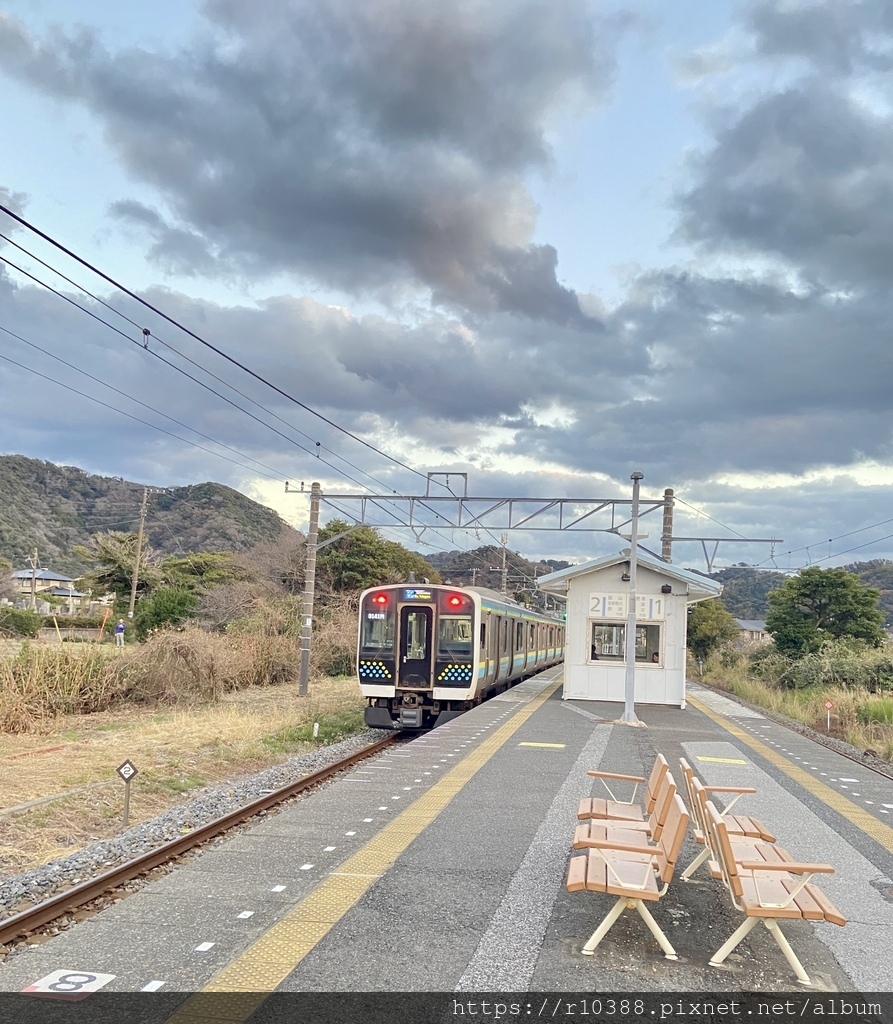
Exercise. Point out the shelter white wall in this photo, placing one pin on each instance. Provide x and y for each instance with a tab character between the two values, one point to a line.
595	597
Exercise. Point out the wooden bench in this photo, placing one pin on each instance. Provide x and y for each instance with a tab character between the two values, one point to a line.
768	892
636	873
602	829
624	810
742	830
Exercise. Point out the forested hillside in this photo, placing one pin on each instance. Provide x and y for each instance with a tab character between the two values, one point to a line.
53	508
483	567
745	589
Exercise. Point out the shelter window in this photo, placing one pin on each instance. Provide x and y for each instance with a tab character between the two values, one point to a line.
608	642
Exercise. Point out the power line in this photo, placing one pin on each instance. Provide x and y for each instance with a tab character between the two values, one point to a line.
144	346
202	341
129	415
138	401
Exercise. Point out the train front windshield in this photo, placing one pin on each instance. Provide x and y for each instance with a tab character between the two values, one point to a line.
455	636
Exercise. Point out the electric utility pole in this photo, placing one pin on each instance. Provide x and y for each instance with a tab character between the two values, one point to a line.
34	563
629	703
139	548
309	589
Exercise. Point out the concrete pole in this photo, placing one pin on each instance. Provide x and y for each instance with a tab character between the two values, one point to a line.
629	704
309	589
666	542
34	562
139	548
505	540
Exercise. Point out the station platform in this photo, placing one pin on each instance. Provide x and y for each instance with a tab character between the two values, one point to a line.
439	867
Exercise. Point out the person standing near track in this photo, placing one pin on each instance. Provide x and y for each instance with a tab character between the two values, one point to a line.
119	633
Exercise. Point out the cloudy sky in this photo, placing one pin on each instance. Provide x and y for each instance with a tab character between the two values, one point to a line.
543	242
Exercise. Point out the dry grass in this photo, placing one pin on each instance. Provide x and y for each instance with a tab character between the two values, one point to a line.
176	749
806	706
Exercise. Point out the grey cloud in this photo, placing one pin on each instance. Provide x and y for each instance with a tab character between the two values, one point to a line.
806	176
366	145
832	36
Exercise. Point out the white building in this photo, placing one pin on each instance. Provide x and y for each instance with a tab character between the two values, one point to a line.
597	596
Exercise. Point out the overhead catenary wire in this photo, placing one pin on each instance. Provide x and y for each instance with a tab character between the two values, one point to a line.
224	355
336	469
138	401
154	426
146	333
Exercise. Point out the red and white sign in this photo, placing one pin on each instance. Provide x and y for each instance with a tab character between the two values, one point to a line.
68	984
829	704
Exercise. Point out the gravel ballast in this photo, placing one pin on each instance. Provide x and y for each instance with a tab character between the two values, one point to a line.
39	883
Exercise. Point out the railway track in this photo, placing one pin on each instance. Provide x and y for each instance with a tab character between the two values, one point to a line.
35	918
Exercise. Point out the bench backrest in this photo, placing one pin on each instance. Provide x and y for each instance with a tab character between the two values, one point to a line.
663	801
671	838
660	769
721	848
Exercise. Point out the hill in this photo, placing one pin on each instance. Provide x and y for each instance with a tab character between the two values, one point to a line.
745	590
483	566
52	508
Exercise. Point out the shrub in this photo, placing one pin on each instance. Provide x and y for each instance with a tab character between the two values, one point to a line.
20	622
877	712
72	621
167	607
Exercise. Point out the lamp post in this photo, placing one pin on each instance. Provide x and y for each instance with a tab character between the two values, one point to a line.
629	703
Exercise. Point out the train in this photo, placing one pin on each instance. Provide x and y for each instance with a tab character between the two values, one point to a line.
427	653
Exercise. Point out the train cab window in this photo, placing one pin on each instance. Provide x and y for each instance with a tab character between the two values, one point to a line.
455	636
378	632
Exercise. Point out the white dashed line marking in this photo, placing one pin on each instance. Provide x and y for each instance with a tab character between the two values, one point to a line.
328	849
306	867
203	947
350	833
153	986
366	820
245	914
278	888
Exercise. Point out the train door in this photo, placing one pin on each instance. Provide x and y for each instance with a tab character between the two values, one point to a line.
416	632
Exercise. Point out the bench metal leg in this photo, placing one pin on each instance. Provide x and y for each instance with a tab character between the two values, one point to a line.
656	931
785	947
605	926
734	939
695	864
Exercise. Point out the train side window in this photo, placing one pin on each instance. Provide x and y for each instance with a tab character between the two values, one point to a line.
503	636
483	636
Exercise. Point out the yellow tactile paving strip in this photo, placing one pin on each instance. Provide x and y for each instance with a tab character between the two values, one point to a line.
853	813
240	987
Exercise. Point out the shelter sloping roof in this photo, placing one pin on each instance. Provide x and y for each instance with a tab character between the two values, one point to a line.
752	625
699	587
41	574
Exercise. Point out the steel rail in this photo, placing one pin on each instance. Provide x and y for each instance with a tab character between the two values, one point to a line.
71	900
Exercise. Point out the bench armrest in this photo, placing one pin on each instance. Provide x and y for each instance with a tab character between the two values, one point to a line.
791	867
729	789
614	775
606	844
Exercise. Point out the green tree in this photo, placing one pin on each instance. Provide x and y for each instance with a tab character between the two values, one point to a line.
710	626
821	604
112	555
200	570
362	559
166	607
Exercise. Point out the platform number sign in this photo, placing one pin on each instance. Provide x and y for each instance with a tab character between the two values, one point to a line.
67	984
127	771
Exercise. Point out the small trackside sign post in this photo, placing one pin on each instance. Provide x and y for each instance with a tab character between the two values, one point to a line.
128	772
828	705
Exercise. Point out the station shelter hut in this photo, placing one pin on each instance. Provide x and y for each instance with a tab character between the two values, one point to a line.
597	595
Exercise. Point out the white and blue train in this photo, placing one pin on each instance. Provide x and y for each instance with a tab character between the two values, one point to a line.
427	653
